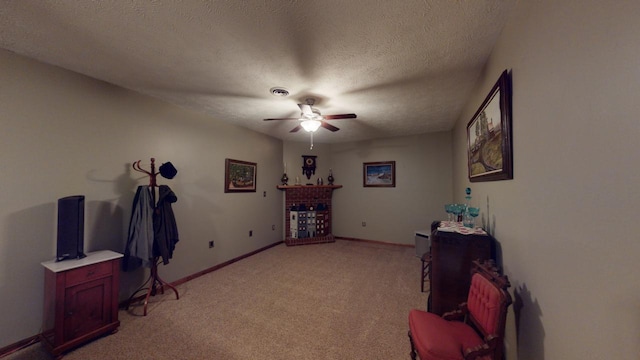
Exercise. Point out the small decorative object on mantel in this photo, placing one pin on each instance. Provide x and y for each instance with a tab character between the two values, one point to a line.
284	179
308	165
330	179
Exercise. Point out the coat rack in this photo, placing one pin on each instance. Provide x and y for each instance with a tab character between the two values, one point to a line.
154	280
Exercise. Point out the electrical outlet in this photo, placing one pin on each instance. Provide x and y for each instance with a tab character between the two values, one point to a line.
273	227
264	194
364	223
210	244
250	233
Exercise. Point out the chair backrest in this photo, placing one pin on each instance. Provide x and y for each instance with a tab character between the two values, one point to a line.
488	299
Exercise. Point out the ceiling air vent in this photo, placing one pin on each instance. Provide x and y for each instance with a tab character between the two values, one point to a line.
277	91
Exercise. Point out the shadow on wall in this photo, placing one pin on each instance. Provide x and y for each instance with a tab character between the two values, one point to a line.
529	329
29	240
106	231
528	315
110	222
488	223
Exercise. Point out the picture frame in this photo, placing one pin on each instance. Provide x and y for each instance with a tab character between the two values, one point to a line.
489	143
240	176
379	174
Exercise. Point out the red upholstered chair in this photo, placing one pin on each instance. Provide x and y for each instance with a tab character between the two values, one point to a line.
474	331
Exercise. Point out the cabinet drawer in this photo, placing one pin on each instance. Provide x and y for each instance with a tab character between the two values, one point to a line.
88	273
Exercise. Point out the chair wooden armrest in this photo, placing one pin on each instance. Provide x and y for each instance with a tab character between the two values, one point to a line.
475	352
489	346
457	315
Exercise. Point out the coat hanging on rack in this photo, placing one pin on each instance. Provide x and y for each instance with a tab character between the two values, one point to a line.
165	230
139	250
153	232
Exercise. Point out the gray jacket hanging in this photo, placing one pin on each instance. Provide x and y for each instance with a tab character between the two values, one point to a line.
139	249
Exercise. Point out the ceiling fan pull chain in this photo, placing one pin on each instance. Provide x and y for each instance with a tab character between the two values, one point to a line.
311	148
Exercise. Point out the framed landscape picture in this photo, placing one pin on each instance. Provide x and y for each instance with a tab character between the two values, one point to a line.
489	147
240	176
379	174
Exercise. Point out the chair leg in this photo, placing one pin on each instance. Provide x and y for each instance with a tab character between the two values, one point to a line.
422	277
426	269
413	349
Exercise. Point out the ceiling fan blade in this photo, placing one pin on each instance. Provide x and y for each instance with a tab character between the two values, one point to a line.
328	126
339	116
306	109
296	129
281	119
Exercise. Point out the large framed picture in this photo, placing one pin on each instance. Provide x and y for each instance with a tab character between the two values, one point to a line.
239	176
379	174
489	147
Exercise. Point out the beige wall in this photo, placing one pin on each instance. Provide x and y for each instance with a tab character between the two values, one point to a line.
65	134
423	184
566	222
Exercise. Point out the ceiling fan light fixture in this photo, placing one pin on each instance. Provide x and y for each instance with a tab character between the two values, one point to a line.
310	125
315	115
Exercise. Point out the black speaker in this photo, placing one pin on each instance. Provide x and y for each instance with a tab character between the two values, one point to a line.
70	228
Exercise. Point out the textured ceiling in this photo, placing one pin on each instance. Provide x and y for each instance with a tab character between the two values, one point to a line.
404	67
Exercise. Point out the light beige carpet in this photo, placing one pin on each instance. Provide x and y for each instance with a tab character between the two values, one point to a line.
343	300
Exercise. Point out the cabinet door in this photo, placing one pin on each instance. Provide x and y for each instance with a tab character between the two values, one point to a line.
452	256
87	307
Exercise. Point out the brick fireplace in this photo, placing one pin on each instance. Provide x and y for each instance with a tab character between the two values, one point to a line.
316	199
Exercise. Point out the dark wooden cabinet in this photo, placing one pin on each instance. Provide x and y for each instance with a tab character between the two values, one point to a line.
81	300
452	255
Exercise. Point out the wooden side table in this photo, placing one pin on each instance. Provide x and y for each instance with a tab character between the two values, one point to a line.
81	300
452	256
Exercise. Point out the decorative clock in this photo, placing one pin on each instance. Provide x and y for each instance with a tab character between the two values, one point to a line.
308	165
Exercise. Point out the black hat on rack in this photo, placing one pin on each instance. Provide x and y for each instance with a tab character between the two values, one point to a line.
168	171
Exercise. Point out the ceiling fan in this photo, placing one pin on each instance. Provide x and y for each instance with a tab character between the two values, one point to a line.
311	120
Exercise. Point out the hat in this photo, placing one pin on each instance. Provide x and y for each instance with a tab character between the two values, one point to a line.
168	171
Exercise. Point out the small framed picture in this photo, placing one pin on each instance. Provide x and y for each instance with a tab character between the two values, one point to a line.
240	176
379	174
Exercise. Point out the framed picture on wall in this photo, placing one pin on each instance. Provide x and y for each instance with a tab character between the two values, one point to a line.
489	147
240	176
379	174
